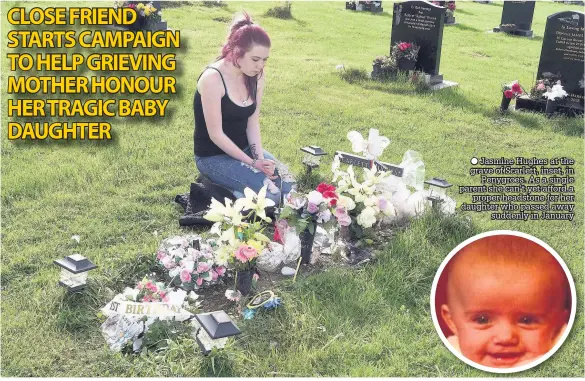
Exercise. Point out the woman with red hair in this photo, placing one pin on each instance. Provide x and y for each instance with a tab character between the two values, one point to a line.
228	144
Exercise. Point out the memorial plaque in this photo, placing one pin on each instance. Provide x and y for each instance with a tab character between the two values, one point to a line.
358	161
421	22
562	52
517	18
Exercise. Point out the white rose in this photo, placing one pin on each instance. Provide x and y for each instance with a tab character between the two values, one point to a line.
174	272
315	197
324	216
367	218
346	202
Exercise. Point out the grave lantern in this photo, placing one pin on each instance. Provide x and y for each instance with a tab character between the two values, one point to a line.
217	328
74	270
437	190
312	157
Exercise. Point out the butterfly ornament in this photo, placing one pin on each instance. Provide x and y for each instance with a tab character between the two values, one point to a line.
371	148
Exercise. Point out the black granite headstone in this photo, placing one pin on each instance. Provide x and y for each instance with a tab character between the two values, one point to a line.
421	22
562	52
517	18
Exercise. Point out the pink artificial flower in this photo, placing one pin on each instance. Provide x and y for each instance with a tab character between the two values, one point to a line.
185	276
342	217
139	286
168	263
132	6
246	253
202	267
540	86
160	254
451	6
382	203
516	88
214	275
199	281
146	299
509	94
165	299
220	270
312	208
255	277
403	46
163	294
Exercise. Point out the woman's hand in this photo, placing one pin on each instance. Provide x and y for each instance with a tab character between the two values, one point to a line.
267	167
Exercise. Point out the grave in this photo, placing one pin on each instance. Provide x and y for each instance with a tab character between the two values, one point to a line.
517	18
562	55
422	23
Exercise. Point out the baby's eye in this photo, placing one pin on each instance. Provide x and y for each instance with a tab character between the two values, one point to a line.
481	319
527	320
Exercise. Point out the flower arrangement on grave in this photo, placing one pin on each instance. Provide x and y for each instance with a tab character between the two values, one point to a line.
239	227
155	317
510	91
367	199
450	11
147	13
305	212
555	92
544	85
405	55
188	265
384	66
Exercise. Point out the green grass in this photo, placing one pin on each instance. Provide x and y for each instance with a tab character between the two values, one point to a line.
372	322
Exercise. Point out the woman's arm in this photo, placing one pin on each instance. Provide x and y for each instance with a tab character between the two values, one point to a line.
211	89
253	129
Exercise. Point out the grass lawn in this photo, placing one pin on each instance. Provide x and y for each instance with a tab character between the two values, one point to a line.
375	321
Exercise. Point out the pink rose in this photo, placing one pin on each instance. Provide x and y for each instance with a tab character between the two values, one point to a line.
214	275
168	263
509	94
146	299
139	286
185	276
540	86
165	299
312	208
199	281
246	253
344	219
220	270
202	267
160	254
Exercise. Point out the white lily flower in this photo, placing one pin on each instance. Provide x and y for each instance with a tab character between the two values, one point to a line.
256	202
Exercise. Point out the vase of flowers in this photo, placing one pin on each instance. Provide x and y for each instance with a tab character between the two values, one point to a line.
553	96
450	13
509	92
148	17
305	212
405	55
240	228
383	67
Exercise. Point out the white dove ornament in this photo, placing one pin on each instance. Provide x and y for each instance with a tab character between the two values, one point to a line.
371	148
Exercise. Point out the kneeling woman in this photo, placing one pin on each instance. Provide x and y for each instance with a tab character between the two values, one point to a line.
228	146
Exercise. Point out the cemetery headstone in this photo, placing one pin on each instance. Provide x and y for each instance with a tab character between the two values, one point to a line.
421	22
517	18
563	51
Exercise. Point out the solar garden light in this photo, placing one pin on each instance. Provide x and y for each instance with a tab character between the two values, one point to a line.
312	157
196	244
74	269
217	328
437	190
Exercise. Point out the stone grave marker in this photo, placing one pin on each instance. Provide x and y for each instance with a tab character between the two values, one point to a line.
562	53
422	23
359	161
517	18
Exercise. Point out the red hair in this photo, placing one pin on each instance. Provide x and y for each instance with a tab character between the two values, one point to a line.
244	34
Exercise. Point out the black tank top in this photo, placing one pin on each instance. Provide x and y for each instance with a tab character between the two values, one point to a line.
234	121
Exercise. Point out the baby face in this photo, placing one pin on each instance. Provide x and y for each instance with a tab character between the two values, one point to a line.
504	316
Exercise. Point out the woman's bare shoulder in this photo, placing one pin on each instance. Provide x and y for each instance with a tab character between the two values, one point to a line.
210	80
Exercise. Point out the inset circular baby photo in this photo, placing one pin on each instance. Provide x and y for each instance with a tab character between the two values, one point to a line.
503	301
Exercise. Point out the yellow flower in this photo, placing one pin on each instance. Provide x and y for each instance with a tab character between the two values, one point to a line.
147	12
256	245
140	6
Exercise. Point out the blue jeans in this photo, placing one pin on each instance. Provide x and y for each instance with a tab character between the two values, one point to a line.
236	176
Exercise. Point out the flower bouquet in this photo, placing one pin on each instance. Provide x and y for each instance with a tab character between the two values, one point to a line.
241	239
366	201
304	212
405	54
552	95
384	67
189	264
147	15
450	12
509	92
